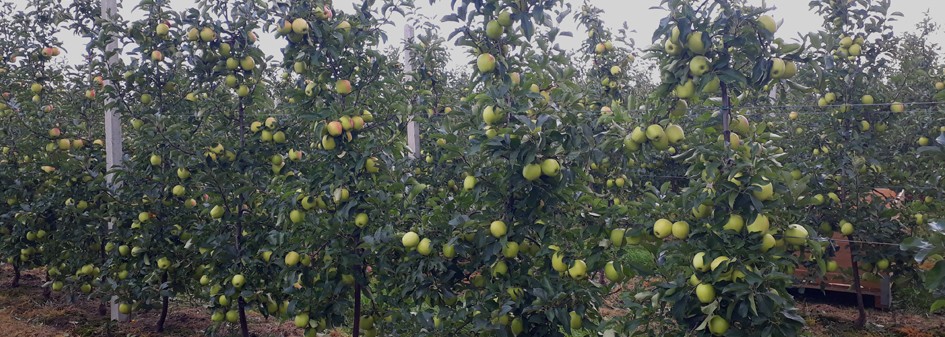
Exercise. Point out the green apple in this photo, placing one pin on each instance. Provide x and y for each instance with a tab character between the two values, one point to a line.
425	247
846	228
796	234
494	30
164	263
764	192
735	223
469	183
705	293
511	249
155	160
498	228
638	136
768	23
578	270
698	66
670	47
866	99
531	172
207	34
296	216
662	228
655	132
300	26
238	281
759	225
767	242
674	133
557	262
550	167
695	44
486	63
410	239
680	229
576	320
217	212
179	191
685	90
897	107
361	220
292	258
718	326
449	251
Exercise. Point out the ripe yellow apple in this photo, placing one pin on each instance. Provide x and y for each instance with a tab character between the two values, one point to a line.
207	34
674	133
248	63
705	293
796	234
498	228
164	263
662	228
576	320
217	212
361	220
764	192
296	216
923	141
846	228
469	183
300	26
698	262
550	167
735	223
759	225
897	107
768	23
866	99
557	262
425	247
179	190
686	89
494	30
578	270
718	325
671	48
778	68
238	281
655	132
531	172
301	320
410	240
767	242
680	229
292	258
511	249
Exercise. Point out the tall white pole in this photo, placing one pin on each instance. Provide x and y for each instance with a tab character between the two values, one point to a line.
413	134
113	149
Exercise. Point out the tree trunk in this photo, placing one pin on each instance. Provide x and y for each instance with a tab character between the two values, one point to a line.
164	304
47	291
861	319
244	327
357	310
16	276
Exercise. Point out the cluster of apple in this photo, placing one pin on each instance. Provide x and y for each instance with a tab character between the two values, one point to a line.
655	134
66	144
849	48
344	127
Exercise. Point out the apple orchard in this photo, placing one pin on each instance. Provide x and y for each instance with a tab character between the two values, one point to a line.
179	160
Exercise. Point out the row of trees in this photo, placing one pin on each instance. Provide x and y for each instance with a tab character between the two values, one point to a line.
287	188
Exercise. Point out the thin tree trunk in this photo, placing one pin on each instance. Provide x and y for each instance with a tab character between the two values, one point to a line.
47	291
861	319
244	327
164	304
16	276
357	310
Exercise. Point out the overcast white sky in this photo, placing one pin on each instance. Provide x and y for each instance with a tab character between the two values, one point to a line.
637	13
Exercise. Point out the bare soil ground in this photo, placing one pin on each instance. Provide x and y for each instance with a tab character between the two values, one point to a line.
23	312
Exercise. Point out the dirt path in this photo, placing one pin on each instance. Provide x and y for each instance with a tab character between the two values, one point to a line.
24	313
